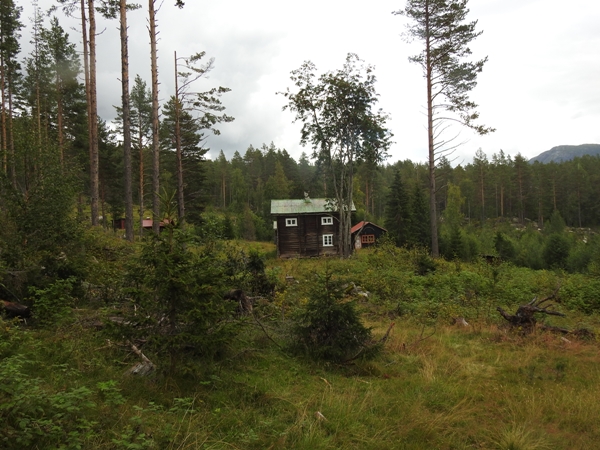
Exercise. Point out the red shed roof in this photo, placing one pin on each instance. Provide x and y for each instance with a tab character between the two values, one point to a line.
362	224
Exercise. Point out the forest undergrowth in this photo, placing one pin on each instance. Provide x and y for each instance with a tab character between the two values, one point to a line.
64	382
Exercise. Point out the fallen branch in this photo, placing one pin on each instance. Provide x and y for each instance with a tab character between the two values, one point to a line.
368	347
143	368
265	331
582	333
387	334
421	338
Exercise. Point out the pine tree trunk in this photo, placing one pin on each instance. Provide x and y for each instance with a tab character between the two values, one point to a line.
94	152
155	141
142	206
435	250
86	70
11	143
59	119
3	117
126	122
180	203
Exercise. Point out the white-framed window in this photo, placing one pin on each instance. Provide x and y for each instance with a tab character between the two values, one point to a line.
326	220
328	240
291	222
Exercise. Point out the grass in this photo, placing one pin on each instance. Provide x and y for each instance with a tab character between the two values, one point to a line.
457	389
434	386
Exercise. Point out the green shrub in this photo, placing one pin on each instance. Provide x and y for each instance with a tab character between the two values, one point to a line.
53	304
556	251
530	249
579	258
35	418
177	294
581	293
247	271
424	263
504	246
329	325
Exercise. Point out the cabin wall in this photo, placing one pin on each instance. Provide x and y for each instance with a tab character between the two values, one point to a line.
369	229
306	238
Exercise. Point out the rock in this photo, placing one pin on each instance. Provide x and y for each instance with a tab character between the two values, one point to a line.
460	321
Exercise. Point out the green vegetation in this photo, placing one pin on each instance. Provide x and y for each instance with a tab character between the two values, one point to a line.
64	380
199	338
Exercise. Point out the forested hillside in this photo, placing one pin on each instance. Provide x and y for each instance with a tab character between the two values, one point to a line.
497	186
48	154
143	304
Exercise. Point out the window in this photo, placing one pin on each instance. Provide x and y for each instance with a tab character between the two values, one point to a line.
327	220
291	222
328	240
367	239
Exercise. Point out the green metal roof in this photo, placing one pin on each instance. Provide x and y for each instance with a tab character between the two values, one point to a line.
302	206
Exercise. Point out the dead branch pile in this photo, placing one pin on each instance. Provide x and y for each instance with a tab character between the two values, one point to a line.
524	319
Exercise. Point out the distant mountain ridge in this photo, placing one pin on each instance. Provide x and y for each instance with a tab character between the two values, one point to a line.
566	153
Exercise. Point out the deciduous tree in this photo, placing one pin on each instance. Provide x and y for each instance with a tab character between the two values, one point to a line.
339	122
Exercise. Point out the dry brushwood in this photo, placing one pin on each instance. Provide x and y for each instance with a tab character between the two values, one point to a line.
524	319
372	345
144	368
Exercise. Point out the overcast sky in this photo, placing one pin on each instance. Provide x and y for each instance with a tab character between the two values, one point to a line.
539	89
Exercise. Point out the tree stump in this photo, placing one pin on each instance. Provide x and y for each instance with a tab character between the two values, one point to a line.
244	303
524	319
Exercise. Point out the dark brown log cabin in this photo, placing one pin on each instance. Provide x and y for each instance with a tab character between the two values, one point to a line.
365	234
306	227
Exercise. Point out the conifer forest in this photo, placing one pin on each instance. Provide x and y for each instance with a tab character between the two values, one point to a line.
143	304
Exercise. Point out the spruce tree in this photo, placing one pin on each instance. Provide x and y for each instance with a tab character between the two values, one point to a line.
420	229
397	213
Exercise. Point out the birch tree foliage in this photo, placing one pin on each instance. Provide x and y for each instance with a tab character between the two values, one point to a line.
340	123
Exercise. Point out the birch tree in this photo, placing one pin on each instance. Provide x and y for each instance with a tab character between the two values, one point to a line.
339	122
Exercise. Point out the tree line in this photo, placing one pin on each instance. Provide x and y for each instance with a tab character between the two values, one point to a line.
47	131
498	187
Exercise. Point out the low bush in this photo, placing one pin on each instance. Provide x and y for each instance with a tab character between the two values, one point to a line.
329	326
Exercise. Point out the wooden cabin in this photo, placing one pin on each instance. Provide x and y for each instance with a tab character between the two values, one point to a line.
147	224
119	224
305	227
365	234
